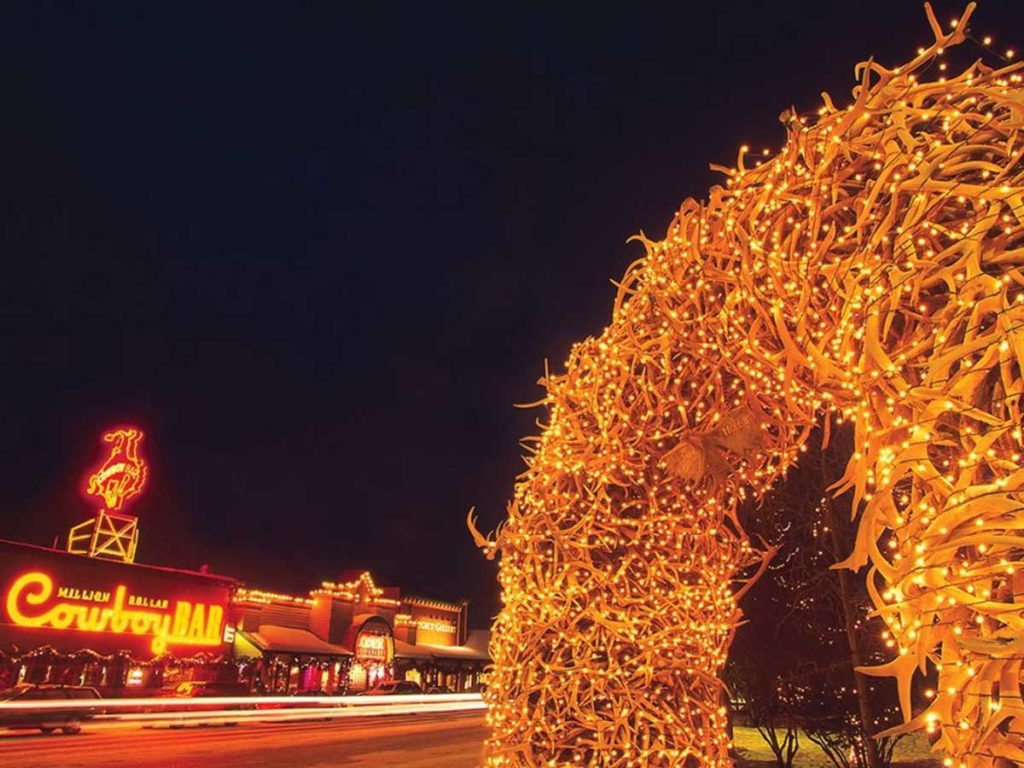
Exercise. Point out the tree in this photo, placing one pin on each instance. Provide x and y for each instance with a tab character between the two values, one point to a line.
760	683
817	619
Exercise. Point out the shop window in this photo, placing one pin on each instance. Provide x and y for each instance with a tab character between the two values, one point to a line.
357	678
136	676
376	675
275	675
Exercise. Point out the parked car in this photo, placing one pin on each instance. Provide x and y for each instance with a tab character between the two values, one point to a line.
206	688
47	720
393	688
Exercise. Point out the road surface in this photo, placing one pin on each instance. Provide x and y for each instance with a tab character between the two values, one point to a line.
421	741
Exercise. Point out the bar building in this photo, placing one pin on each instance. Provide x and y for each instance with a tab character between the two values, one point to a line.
91	615
76	620
127	627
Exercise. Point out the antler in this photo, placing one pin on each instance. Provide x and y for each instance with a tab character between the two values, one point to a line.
489	547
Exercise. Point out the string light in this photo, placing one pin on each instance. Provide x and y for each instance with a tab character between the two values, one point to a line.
868	273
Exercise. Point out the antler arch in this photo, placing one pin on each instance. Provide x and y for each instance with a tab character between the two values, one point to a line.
870	271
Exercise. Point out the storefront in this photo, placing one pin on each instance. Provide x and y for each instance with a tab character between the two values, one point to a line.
92	616
435	647
117	626
451	669
350	636
128	628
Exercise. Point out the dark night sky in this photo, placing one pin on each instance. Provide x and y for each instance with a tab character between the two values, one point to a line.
318	253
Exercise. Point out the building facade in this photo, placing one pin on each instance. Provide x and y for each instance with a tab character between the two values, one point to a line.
133	629
76	620
351	635
91	615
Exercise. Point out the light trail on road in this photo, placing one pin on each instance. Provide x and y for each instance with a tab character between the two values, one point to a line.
445	740
237	709
173	702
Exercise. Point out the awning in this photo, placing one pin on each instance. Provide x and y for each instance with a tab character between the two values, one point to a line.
475	649
455	652
245	648
404	650
276	639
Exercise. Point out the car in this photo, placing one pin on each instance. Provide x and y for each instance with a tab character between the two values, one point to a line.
50	719
394	688
195	689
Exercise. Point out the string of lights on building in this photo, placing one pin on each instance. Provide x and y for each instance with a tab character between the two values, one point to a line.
91	615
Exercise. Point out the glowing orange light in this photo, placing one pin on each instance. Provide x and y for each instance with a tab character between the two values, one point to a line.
30	603
868	273
123	474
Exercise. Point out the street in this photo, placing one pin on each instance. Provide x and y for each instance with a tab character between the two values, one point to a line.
422	741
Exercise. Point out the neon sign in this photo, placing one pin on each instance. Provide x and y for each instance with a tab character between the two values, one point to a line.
434	625
31	603
371	647
123	474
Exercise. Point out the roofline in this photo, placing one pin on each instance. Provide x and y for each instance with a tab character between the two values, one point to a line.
432	602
